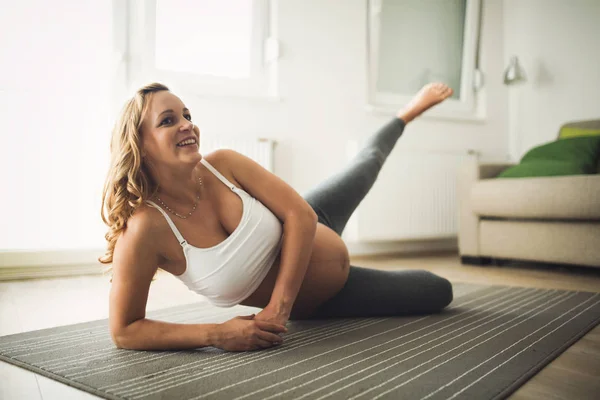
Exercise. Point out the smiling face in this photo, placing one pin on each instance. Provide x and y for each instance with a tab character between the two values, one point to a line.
168	135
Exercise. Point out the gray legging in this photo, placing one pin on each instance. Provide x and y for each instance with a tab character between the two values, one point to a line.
371	292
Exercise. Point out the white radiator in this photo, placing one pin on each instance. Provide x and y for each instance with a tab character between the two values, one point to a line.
414	198
260	150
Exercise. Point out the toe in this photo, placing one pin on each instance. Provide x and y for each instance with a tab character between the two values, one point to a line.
438	88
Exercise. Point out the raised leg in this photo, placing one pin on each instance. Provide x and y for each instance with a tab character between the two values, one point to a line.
335	199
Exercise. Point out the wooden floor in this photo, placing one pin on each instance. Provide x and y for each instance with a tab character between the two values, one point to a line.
44	303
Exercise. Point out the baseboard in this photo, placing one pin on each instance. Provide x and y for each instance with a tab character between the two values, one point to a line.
361	249
475	260
16	265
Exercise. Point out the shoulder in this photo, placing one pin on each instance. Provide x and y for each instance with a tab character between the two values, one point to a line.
143	222
229	160
220	159
141	234
272	191
223	160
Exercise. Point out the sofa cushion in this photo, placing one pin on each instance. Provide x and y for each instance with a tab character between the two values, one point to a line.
545	168
575	131
570	156
563	197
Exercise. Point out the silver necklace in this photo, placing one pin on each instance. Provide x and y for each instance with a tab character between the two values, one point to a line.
188	214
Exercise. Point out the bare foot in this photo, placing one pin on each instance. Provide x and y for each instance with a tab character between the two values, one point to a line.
430	95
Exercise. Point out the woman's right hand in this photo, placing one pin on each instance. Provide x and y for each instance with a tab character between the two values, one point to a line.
245	333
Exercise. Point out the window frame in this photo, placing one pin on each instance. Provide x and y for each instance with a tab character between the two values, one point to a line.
262	83
468	107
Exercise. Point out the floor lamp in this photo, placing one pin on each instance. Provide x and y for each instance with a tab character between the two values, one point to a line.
514	76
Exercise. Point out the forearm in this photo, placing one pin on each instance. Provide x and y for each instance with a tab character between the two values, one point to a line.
298	238
147	334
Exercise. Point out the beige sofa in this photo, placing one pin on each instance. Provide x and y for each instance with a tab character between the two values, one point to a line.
545	219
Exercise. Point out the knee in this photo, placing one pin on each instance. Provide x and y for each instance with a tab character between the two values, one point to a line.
440	291
444	295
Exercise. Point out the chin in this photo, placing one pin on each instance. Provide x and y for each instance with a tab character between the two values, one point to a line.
195	156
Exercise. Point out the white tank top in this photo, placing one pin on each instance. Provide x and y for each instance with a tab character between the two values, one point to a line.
229	272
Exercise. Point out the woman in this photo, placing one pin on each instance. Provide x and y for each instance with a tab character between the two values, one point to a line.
237	234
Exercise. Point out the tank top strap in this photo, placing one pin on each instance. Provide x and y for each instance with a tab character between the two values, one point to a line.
218	174
182	241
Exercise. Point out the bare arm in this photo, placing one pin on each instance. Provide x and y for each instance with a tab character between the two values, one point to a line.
147	334
135	261
299	224
299	235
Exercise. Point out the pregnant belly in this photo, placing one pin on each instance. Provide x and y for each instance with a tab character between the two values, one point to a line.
326	273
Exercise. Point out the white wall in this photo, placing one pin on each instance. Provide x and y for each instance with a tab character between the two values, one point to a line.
323	86
558	45
323	90
54	133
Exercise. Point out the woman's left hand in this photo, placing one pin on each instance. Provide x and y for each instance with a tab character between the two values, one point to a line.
269	314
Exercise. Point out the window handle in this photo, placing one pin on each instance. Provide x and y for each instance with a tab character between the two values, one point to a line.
271	50
477	79
375	8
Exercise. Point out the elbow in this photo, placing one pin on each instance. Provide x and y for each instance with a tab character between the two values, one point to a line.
118	339
312	221
122	339
125	342
310	215
119	345
313	216
305	215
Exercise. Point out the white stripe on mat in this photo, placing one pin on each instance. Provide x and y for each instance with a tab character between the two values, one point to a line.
439	344
535	296
94	353
256	356
463	352
494	369
61	334
195	378
83	361
301	335
522	303
85	337
343	329
174	370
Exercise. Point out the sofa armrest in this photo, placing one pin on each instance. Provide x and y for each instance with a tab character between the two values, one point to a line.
469	173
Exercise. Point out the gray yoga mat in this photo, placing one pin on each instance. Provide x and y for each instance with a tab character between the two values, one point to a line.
488	342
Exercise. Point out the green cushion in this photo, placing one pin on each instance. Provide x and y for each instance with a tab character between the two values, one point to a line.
543	168
570	132
569	156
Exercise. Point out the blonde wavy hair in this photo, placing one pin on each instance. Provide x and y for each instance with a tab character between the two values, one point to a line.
128	182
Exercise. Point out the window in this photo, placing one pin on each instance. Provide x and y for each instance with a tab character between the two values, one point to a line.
55	100
205	46
413	42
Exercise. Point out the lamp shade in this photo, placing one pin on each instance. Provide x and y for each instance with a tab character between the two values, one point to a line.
514	73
